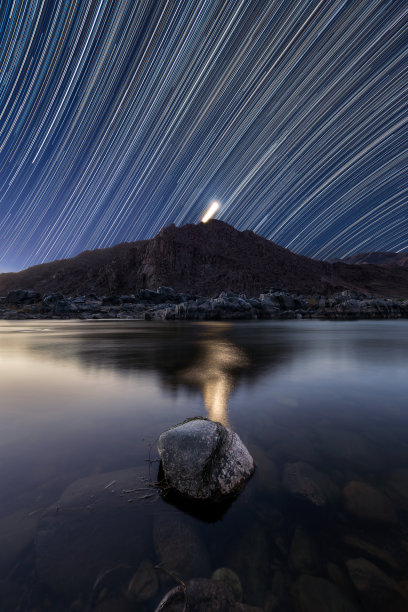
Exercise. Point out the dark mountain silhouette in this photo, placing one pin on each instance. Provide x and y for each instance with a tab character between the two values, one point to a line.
203	259
379	258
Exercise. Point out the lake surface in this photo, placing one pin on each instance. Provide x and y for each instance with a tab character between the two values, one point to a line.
82	405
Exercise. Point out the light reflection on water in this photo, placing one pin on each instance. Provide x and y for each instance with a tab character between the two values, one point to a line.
84	399
214	372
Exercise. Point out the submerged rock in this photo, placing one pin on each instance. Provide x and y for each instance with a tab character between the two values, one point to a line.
398	484
305	482
367	503
250	558
312	594
204	460
179	547
382	555
16	532
199	595
92	521
144	583
225	574
304	554
377	590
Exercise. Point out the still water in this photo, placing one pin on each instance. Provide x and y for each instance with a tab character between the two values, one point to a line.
81	407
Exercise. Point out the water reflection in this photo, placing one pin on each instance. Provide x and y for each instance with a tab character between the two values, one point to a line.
217	366
211	358
82	403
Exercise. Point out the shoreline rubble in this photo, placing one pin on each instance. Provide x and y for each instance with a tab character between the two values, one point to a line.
166	305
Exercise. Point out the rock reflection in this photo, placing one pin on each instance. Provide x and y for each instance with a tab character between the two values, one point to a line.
215	373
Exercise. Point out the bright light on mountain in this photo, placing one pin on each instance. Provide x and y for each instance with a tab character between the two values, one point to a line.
214	206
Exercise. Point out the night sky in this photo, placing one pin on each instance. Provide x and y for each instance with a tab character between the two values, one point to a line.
120	117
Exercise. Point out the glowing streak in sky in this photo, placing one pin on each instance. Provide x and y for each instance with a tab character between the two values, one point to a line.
210	212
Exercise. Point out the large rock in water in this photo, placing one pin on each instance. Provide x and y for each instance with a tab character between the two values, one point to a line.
204	460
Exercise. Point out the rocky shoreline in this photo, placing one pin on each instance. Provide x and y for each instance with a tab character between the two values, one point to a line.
166	304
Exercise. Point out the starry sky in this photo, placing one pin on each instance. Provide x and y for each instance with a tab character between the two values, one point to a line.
119	117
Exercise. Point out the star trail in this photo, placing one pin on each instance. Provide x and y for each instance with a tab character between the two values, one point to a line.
120	117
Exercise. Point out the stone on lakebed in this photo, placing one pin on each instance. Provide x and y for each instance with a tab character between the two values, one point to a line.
203	460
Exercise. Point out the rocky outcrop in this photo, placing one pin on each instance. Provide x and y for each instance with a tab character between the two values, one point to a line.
204	460
23	296
167	304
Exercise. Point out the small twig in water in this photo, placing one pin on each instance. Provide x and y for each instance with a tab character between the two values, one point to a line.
149	460
178	580
171	574
110	484
134	490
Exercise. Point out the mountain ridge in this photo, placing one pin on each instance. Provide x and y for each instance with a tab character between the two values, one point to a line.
203	259
378	258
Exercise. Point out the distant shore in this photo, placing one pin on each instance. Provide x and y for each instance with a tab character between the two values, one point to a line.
166	304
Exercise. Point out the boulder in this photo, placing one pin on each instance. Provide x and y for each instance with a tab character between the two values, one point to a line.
51	299
147	295
166	291
203	460
22	296
286	302
64	307
349	308
111	300
128	299
231	307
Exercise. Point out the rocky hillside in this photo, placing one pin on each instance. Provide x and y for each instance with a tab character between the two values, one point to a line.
379	258
204	259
